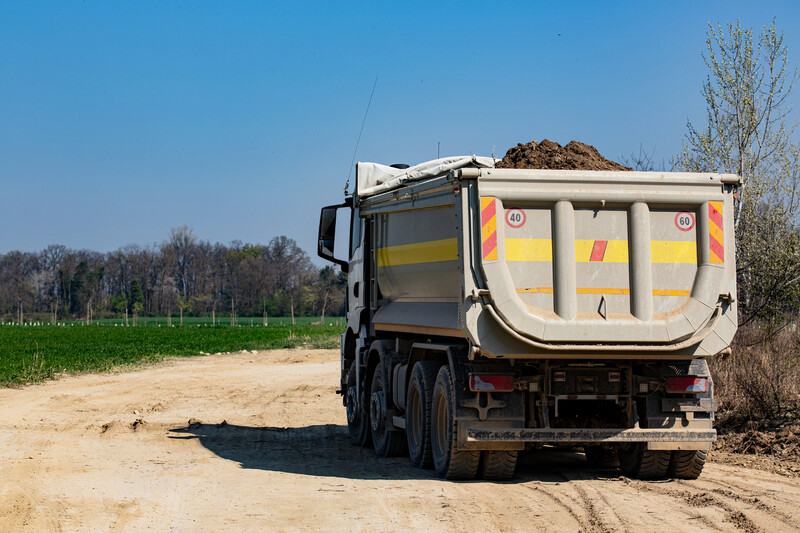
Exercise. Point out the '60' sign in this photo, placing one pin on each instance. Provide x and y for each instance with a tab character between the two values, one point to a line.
684	220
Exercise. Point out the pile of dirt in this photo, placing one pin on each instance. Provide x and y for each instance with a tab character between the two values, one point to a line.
770	449
783	442
551	155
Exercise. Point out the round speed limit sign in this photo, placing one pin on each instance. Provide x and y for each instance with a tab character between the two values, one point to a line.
515	218
684	221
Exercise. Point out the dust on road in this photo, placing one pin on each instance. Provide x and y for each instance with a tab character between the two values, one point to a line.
256	441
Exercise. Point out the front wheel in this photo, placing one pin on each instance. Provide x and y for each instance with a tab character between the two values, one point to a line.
357	419
448	460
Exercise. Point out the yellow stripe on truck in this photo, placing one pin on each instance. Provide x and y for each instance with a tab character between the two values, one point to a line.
603	290
673	252
529	250
419	252
614	251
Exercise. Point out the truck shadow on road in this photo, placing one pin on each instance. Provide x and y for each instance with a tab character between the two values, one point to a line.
326	451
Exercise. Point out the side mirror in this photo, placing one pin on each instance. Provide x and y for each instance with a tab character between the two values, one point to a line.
327	235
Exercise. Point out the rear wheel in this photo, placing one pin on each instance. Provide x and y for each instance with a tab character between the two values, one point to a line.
498	464
387	443
639	462
687	464
418	413
357	419
449	462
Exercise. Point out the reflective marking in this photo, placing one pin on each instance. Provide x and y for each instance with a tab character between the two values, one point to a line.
420	252
489	228
715	234
598	251
613	251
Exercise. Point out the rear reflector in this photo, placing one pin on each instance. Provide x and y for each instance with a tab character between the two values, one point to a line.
491	382
687	384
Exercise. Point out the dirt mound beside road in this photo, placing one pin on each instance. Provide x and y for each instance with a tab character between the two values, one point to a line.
551	155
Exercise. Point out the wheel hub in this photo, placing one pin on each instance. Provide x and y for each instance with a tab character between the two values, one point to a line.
376	410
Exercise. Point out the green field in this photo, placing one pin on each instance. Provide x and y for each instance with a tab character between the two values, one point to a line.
32	353
206	321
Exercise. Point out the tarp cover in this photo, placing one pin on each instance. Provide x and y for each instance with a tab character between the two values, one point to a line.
374	178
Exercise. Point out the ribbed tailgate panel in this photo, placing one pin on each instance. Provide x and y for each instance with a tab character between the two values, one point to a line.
605	257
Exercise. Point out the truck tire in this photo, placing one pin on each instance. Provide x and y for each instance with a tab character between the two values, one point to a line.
357	418
498	464
639	462
448	461
601	457
687	464
418	413
387	443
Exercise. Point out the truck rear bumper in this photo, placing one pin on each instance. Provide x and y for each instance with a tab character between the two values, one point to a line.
656	439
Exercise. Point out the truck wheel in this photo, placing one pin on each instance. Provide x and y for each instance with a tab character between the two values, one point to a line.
418	413
600	457
357	419
639	462
687	464
449	462
498	464
387	443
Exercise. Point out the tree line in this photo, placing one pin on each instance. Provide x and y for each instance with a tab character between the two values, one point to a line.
181	276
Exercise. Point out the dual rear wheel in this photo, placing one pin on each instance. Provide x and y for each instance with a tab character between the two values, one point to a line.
639	462
431	430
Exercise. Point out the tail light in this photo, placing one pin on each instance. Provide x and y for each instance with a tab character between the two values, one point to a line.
491	382
687	384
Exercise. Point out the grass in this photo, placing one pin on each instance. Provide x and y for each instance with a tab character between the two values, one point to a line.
206	321
30	354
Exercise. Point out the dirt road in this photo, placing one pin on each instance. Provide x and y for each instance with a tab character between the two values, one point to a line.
266	450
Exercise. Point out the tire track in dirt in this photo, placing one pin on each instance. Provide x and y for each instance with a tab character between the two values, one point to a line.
746	496
595	520
701	498
778	494
573	512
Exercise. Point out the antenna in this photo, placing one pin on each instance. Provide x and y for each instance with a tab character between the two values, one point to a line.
438	146
353	161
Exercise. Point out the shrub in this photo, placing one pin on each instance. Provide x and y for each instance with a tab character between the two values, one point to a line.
761	378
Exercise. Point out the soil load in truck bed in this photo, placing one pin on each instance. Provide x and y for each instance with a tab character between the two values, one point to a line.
551	155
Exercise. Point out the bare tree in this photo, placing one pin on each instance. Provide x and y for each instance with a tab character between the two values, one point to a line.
746	133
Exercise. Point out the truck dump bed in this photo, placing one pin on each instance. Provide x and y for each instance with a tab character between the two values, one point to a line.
530	261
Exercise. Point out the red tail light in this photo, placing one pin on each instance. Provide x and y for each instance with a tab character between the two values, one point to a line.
687	384
491	382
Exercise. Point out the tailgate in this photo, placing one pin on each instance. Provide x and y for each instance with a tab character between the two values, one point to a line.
607	257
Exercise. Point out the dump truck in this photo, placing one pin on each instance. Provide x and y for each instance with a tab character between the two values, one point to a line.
492	311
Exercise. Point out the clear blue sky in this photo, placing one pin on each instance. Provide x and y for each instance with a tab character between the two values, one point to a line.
120	120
